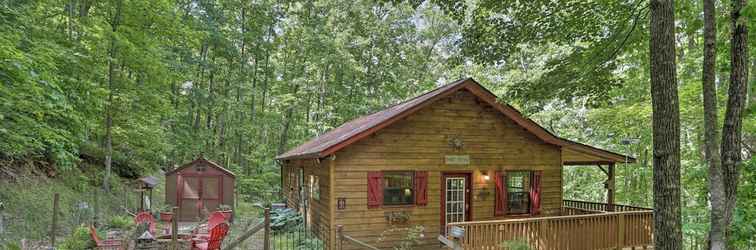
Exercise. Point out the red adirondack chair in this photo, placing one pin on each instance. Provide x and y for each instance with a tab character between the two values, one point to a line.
146	217
104	244
215	240
212	221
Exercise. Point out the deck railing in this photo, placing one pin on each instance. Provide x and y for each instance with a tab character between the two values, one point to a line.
614	230
596	206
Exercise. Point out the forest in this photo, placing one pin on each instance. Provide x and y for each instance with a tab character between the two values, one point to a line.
95	94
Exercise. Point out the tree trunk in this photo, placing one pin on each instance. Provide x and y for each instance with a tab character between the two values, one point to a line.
666	127
717	238
287	124
733	121
109	108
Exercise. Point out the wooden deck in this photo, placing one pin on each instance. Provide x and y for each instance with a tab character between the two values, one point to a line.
583	226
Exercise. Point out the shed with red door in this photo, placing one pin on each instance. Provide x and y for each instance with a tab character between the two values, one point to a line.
199	188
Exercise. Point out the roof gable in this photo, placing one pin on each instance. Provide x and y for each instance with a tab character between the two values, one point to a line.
359	128
201	160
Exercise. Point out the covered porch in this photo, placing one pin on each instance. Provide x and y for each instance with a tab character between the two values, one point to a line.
578	225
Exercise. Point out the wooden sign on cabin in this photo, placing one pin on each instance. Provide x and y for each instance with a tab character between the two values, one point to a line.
457	160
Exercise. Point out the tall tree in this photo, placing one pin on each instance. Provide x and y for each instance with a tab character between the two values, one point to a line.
717	239
112	51
733	121
666	126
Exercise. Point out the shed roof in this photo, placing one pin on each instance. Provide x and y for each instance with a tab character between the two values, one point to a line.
574	153
149	181
204	161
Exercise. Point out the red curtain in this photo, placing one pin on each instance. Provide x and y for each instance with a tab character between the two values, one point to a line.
535	193
421	188
375	189
500	206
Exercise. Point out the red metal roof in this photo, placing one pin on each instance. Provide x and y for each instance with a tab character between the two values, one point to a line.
361	127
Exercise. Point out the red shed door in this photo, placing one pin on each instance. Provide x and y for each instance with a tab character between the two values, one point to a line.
200	195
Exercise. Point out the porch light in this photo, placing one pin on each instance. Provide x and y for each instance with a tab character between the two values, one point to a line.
486	177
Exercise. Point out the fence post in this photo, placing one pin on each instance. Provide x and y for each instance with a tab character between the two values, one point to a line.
340	234
620	230
54	226
174	229
266	244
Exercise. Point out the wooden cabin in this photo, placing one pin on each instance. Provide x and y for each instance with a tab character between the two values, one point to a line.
457	158
199	188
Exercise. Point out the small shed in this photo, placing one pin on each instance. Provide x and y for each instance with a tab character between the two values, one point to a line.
199	188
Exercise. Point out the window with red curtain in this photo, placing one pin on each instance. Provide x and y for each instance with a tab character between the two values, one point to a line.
519	192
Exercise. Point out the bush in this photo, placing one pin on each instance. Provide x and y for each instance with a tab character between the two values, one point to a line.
10	246
284	219
310	244
515	245
413	236
80	239
120	222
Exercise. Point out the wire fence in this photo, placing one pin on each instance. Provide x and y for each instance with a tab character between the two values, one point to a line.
299	236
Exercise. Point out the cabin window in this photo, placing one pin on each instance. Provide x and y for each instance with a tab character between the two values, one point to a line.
518	192
315	187
398	188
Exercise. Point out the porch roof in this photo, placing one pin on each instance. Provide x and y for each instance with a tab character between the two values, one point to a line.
573	153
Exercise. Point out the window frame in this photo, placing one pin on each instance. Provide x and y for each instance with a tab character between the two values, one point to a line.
525	191
384	188
314	183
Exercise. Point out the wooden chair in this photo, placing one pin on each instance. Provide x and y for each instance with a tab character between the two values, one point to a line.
104	244
212	221
217	234
146	217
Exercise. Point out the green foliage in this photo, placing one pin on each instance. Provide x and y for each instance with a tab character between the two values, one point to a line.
79	239
308	243
240	82
120	222
515	245
283	219
412	236
28	205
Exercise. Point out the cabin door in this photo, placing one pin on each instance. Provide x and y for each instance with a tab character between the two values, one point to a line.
455	198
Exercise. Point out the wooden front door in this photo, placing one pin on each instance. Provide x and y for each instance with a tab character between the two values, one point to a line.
455	198
200	195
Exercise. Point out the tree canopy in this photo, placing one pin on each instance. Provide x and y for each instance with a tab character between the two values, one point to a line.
242	81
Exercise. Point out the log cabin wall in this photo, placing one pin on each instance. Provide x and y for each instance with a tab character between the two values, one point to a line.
318	213
420	143
290	190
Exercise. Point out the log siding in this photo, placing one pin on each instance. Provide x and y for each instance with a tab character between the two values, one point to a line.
419	143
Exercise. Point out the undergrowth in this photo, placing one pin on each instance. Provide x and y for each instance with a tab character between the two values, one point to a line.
27	204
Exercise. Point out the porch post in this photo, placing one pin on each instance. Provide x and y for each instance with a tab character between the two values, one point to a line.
610	188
